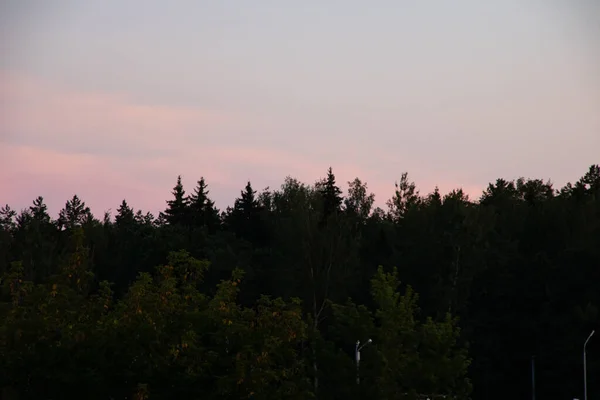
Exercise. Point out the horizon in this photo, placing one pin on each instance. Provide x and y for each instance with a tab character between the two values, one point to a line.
379	203
108	103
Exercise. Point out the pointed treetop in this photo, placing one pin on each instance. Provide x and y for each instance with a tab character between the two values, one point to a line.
124	214
200	196
177	209
247	202
331	193
202	209
178	190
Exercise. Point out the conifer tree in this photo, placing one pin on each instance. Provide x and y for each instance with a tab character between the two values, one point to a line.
243	217
39	210
7	218
330	193
125	215
75	213
405	196
202	209
177	209
247	203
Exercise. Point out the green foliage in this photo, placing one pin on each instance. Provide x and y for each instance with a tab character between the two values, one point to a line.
408	356
165	336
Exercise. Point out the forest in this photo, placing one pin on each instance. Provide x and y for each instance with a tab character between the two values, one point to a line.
447	297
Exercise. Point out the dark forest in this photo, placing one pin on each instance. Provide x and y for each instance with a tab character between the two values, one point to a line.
462	298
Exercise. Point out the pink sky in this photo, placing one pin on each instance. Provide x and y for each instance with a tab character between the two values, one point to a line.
135	151
113	111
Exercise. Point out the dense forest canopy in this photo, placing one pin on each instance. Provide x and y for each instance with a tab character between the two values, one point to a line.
268	298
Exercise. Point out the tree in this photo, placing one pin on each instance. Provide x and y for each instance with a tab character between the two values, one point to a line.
244	219
405	197
331	194
125	216
202	209
164	338
247	204
409	358
508	276
359	202
7	228
37	236
7	218
74	214
177	212
39	211
534	191
588	184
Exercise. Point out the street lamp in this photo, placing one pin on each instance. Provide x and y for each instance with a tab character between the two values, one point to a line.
585	366
357	356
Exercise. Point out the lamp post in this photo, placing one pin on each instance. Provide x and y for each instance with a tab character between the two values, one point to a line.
585	366
532	377
357	356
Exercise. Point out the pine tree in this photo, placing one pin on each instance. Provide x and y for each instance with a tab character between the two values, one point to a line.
591	180
177	209
331	194
405	196
244	217
247	204
202	208
7	218
74	214
39	210
500	193
125	215
144	219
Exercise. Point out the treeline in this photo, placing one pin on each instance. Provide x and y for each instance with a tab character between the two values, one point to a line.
268	298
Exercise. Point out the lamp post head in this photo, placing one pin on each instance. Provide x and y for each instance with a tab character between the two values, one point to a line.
587	340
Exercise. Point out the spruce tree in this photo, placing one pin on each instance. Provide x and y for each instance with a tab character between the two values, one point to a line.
125	215
243	218
177	209
203	212
331	194
247	204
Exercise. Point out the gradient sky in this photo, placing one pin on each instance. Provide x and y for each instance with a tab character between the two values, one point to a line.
113	99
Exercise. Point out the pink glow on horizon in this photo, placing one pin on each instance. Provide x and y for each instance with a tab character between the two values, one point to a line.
96	132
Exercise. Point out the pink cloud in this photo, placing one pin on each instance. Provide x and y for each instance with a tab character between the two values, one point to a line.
103	181
55	142
57	176
34	109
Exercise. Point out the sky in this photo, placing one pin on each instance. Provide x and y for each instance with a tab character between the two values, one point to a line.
113	100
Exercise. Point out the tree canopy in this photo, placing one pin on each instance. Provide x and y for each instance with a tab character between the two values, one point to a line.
267	299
